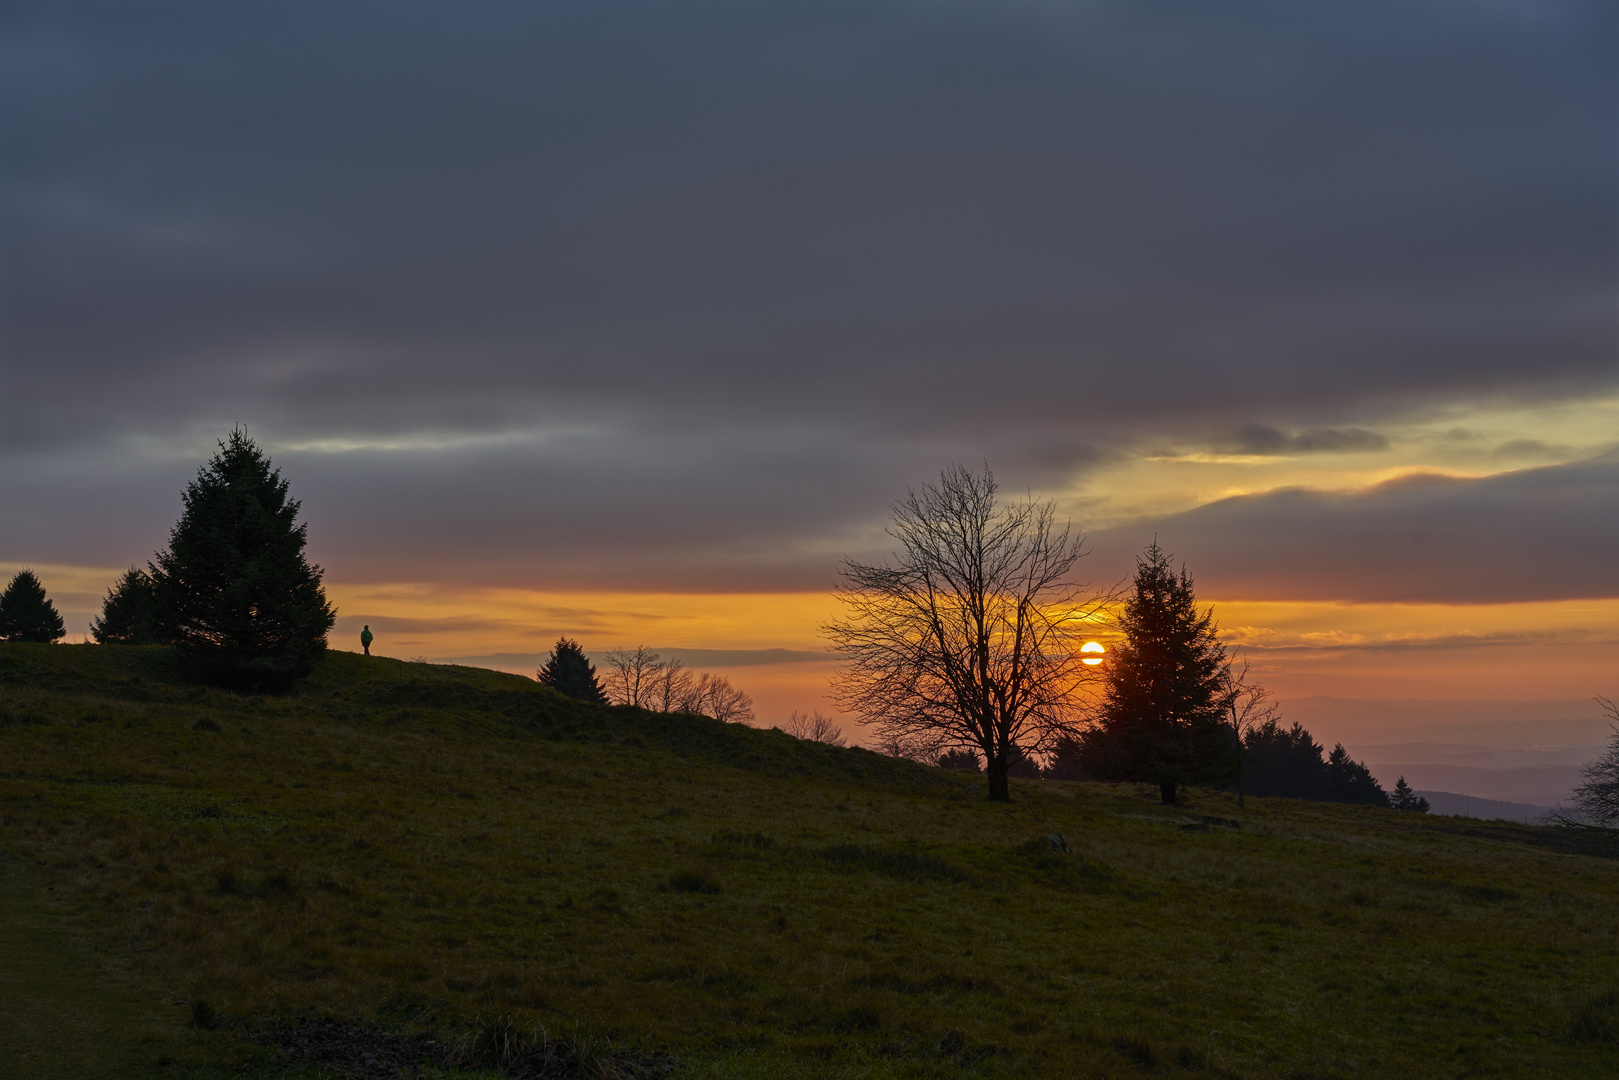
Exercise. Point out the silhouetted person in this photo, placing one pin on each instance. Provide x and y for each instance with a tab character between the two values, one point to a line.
365	640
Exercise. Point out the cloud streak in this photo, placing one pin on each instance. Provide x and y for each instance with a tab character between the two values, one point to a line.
1533	534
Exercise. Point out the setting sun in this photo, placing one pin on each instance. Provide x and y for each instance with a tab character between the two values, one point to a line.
1092	647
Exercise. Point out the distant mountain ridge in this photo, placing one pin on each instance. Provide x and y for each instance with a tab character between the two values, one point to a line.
1448	802
1513	759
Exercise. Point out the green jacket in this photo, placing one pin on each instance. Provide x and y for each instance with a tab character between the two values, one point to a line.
365	637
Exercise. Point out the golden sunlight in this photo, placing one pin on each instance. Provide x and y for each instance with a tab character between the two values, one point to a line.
1092	647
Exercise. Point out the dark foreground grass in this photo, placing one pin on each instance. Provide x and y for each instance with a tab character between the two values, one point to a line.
434	849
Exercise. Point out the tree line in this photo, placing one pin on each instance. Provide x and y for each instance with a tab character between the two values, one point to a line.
643	679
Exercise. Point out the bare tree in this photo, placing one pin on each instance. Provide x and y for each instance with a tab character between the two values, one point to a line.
631	674
1598	798
713	695
814	727
670	689
1250	706
921	748
971	637
642	678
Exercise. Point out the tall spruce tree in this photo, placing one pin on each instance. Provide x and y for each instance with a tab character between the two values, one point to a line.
568	672
241	603
1163	718
26	613
129	614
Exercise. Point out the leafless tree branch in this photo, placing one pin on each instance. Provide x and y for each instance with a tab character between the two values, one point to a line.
970	635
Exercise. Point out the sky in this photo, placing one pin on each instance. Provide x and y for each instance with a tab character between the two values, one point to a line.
628	321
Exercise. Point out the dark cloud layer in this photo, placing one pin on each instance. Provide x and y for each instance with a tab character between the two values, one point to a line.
1266	440
666	295
1537	534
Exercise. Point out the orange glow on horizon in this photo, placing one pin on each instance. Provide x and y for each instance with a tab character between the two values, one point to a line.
1554	649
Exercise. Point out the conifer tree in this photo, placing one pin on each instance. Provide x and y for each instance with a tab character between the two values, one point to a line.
1288	763
26	613
1403	798
129	614
1163	719
1350	781
568	672
1284	762
241	603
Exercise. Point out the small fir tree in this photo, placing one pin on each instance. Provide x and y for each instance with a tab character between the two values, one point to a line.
1163	719
26	613
569	672
1403	798
129	614
241	603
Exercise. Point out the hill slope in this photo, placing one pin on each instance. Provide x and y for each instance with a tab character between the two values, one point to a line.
415	847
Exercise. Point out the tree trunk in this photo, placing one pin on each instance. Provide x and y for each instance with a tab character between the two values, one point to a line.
1166	790
995	770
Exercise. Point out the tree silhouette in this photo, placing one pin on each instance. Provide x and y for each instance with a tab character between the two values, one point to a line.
1403	798
713	695
1598	796
814	727
1164	717
959	761
632	675
129	614
242	604
1248	708
568	672
641	678
1283	762
1350	781
26	613
1288	763
970	637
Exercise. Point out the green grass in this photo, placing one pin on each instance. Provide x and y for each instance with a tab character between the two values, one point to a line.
439	848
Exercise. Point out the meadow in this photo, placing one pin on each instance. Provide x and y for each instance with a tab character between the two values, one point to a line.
465	857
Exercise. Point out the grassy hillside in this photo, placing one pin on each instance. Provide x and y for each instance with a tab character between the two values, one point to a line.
436	849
